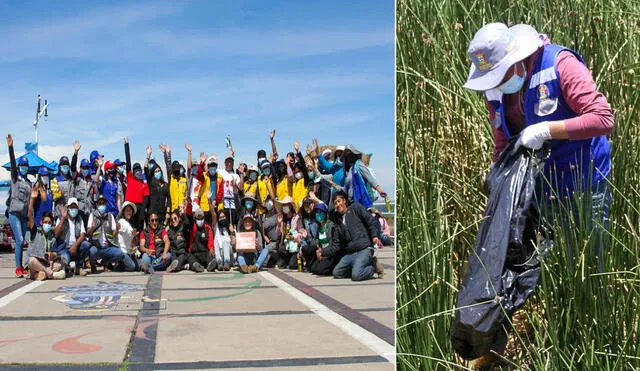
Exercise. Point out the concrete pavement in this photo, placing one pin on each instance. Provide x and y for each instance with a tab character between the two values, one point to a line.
278	319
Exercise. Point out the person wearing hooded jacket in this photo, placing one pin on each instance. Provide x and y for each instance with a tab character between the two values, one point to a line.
358	178
319	234
355	235
18	203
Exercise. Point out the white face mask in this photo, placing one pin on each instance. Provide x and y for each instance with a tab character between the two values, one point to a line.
515	82
268	205
286	209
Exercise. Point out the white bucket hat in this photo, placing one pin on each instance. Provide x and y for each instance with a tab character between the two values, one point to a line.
495	48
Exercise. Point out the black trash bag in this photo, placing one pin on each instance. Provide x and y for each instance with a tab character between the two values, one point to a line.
505	268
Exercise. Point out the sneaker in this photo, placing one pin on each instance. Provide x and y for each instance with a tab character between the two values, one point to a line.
253	268
145	267
41	276
378	266
212	266
19	272
80	271
173	266
197	267
244	268
59	275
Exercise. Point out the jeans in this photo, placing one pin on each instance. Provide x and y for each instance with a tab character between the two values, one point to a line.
357	265
108	254
19	228
156	262
244	258
82	251
130	263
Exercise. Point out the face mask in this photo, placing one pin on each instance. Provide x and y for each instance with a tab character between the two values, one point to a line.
268	205
260	159
157	175
514	84
138	174
46	227
102	208
199	222
266	171
24	170
248	204
194	171
212	171
121	169
312	175
298	176
111	173
339	162
223	223
286	209
253	176
45	180
64	169
151	166
84	172
181	172
73	213
321	217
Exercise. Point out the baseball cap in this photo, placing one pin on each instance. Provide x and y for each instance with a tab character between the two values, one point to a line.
198	214
94	155
229	157
494	49
265	164
85	163
23	161
108	165
71	201
212	160
64	160
118	162
43	171
339	148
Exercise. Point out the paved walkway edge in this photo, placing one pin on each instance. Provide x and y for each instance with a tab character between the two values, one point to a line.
376	344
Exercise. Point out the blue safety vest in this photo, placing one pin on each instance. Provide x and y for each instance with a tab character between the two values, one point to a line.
588	160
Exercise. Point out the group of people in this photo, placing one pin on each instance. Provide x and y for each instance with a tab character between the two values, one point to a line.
312	213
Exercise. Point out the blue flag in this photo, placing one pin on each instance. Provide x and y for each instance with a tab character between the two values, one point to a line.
31	147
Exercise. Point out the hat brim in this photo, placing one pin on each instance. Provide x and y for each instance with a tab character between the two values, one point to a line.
527	42
133	206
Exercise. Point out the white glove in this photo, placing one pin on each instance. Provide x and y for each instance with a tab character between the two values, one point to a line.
534	136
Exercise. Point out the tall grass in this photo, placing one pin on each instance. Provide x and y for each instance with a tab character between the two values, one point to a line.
578	318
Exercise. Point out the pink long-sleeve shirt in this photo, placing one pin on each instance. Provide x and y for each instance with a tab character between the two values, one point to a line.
595	116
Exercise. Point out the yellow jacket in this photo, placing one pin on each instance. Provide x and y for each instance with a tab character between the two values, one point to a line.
283	189
299	193
205	193
177	191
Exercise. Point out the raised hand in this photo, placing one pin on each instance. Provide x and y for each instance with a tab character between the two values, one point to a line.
187	147
296	146
63	212
149	151
315	145
309	150
35	191
203	157
272	134
100	162
76	146
9	140
167	148
162	148
126	140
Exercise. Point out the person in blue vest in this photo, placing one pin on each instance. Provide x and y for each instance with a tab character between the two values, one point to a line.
109	187
542	92
18	207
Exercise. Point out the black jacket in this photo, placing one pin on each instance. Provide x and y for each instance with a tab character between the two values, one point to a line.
356	235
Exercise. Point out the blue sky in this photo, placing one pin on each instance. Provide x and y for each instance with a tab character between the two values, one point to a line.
195	71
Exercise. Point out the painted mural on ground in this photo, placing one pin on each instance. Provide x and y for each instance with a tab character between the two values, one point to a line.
103	295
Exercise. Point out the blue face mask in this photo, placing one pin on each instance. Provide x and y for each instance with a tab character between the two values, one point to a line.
338	162
248	204
73	213
194	171
157	175
212	170
266	171
46	227
181	172
514	84
85	172
151	166
24	170
321	217
121	169
312	175
102	208
199	222
64	169
253	176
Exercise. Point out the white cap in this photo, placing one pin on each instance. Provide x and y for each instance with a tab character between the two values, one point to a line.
71	201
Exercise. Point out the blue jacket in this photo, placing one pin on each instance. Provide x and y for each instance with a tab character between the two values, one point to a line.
544	102
336	170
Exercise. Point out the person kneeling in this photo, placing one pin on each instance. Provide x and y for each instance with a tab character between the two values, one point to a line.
251	247
103	230
154	246
355	234
201	252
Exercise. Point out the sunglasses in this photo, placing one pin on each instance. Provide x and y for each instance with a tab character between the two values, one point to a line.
153	220
174	219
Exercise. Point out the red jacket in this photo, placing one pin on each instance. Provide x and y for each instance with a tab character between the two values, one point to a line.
136	189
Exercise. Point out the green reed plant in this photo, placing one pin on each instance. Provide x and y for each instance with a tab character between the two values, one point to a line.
584	313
